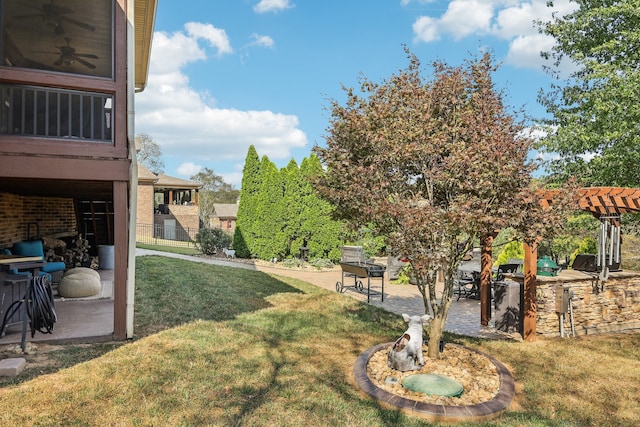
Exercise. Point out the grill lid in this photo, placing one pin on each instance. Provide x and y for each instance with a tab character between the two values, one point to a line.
547	267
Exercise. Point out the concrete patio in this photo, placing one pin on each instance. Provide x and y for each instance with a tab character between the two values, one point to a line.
87	319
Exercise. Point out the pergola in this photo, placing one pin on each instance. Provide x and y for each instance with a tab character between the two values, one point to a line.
602	202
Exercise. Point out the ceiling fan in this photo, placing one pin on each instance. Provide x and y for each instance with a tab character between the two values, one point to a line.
54	16
68	56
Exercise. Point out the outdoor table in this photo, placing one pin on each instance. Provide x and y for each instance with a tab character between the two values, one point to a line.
20	262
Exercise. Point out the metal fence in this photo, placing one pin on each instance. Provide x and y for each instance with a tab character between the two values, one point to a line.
164	235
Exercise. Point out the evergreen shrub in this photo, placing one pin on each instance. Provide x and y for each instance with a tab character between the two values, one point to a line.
210	240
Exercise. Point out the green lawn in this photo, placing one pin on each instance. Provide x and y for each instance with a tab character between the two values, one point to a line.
219	346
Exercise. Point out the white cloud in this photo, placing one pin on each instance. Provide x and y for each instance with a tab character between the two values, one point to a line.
426	29
216	37
188	169
525	50
264	6
234	178
465	17
187	124
511	20
262	41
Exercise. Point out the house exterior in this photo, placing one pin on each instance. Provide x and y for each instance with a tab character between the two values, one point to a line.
68	75
167	206
224	216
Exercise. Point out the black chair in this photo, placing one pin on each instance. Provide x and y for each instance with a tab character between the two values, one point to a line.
506	268
467	284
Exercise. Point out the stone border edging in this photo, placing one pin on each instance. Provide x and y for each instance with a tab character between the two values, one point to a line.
435	412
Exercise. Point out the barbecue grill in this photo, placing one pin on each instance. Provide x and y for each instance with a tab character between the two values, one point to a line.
354	264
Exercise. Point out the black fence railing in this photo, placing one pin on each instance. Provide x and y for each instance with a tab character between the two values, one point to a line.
165	235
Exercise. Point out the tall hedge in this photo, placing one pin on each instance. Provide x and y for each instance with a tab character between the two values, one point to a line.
279	212
323	234
244	234
270	216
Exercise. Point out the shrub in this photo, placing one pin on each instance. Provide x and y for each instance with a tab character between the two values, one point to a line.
512	250
293	263
404	276
320	263
210	240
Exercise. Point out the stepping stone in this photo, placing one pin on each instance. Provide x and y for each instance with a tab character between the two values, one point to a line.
433	384
12	367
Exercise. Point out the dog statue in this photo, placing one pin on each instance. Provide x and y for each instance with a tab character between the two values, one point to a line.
229	253
406	353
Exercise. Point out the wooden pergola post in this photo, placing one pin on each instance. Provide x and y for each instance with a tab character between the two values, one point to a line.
528	303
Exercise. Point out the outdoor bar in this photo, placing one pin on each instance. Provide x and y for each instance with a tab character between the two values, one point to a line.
591	306
596	299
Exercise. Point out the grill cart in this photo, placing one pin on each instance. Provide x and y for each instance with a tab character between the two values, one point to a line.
354	264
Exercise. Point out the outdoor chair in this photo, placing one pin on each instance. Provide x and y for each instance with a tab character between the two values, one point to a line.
55	270
466	284
506	268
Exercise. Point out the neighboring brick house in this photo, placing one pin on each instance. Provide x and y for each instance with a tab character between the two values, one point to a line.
167	206
224	216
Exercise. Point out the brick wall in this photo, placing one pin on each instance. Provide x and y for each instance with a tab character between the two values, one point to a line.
187	216
144	213
52	214
228	225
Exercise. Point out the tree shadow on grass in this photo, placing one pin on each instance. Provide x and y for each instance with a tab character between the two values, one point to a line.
169	292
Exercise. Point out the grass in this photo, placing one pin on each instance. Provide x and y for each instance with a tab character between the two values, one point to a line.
184	250
221	346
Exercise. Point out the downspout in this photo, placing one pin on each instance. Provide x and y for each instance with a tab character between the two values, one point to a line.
133	191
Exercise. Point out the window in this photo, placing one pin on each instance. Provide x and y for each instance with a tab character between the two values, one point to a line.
68	36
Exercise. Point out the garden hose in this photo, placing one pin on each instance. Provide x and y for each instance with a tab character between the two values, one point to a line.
39	305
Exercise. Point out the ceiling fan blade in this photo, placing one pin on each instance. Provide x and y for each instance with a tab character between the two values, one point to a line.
86	55
78	23
32	15
83	62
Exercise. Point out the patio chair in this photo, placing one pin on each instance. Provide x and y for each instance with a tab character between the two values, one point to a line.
55	270
466	285
506	268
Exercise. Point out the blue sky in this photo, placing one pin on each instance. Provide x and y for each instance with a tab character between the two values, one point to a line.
226	74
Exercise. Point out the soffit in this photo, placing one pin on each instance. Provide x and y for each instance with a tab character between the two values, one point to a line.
144	20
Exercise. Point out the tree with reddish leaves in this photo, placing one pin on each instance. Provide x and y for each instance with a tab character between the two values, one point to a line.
435	165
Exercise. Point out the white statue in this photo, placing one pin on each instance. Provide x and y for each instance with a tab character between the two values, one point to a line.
406	353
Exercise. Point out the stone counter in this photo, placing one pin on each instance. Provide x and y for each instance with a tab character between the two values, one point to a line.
598	308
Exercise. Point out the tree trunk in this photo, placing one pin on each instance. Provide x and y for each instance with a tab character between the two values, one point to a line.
437	310
436	328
